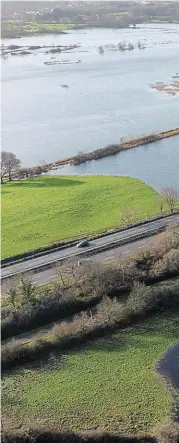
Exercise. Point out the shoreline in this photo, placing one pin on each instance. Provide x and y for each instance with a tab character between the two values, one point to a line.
97	154
167	369
84	157
20	33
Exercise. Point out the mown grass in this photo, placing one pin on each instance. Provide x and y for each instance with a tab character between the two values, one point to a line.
45	210
110	385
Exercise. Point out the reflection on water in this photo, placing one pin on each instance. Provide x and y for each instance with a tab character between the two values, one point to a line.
168	367
157	164
108	97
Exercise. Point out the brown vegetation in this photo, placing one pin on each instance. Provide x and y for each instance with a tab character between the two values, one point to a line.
119	289
42	436
83	157
168	433
109	316
82	287
172	88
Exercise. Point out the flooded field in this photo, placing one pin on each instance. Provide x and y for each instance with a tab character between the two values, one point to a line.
55	105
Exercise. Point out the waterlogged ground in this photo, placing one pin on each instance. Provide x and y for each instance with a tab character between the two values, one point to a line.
109	384
108	97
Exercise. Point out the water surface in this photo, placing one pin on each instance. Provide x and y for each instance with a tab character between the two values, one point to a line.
108	98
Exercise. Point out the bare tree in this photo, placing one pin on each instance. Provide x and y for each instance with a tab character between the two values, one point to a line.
9	163
13	296
129	214
161	201
101	50
171	196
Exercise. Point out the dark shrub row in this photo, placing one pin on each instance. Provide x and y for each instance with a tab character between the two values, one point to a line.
88	285
167	433
110	315
38	436
43	311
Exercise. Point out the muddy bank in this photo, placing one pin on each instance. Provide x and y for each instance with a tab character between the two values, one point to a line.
172	88
168	368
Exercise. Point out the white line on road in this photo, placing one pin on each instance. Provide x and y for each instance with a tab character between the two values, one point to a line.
109	258
52	276
126	252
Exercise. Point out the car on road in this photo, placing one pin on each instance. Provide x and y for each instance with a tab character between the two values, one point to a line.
83	243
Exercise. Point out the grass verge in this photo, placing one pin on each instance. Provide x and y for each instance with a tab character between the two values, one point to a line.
110	384
45	210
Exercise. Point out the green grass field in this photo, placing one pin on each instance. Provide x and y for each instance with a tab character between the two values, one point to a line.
109	384
44	210
34	28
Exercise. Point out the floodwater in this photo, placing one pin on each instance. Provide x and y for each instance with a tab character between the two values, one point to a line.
108	97
168	368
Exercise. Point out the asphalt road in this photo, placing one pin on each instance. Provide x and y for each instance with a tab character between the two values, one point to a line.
51	274
45	275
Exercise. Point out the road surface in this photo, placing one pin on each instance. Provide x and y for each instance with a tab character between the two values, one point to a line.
50	275
43	269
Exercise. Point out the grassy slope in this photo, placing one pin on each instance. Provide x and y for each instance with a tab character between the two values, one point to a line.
44	210
109	384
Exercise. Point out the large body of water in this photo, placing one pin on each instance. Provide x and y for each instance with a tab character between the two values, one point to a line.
108	98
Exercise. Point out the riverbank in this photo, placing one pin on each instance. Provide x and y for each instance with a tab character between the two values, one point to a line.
168	367
14	29
97	154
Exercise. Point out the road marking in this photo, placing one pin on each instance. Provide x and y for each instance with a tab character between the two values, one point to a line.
141	247
52	276
126	252
109	258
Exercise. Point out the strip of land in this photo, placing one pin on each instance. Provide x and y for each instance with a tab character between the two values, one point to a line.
108	150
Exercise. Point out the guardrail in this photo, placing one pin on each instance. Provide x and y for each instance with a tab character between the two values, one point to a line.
89	252
49	250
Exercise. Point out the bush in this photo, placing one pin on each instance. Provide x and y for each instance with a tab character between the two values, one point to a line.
168	433
42	436
44	310
82	287
109	316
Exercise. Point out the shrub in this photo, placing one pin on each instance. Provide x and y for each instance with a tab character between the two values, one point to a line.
109	316
168	433
82	287
43	436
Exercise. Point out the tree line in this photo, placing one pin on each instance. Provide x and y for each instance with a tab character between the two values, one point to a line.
121	46
106	14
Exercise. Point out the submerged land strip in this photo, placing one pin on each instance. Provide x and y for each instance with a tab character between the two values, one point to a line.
108	150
